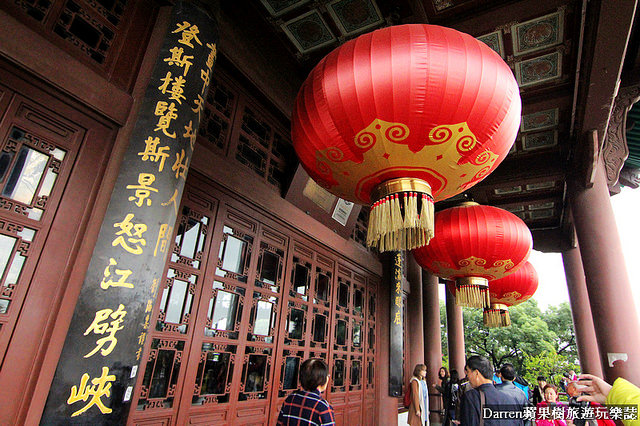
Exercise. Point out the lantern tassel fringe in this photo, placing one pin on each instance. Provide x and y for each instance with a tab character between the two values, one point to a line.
472	296
401	221
496	318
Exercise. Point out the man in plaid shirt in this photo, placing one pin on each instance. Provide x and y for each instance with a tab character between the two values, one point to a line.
306	406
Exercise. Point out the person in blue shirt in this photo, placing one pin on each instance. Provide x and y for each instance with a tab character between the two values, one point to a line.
306	406
508	375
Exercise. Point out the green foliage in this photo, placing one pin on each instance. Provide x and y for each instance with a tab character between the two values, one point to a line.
531	335
549	364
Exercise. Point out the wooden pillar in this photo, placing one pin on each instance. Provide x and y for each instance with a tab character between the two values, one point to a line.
432	346
414	322
612	304
581	312
455	335
387	405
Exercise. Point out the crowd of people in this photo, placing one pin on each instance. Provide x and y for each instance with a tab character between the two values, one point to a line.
484	397
481	398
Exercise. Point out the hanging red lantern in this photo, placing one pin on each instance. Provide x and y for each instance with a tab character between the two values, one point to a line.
509	291
472	245
403	117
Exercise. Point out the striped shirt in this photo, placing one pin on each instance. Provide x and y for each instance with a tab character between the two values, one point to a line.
302	408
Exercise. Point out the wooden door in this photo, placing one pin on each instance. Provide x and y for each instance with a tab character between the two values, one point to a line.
239	311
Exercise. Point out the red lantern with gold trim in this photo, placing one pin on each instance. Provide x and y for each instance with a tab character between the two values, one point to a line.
509	291
402	117
472	245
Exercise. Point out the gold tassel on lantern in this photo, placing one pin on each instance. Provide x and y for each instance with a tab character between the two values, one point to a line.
496	316
472	292
401	217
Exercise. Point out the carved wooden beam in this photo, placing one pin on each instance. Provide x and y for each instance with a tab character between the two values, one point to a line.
615	150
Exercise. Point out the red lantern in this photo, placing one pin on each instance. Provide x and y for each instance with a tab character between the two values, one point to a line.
510	291
402	117
472	245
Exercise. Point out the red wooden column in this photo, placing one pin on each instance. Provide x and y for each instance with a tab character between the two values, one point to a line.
581	312
414	322
432	346
612	305
455	335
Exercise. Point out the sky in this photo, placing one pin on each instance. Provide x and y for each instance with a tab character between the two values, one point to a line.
552	285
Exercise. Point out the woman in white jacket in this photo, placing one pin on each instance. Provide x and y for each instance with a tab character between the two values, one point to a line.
419	408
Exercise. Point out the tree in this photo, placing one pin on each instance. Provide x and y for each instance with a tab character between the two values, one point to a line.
531	334
549	364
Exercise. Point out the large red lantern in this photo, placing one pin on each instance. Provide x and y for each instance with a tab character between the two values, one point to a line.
402	117
509	291
472	245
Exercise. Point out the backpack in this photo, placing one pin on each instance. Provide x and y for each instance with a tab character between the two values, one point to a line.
407	397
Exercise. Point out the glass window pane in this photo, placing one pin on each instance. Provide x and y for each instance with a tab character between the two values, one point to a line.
161	374
357	330
357	300
341	332
189	238
372	338
338	372
295	325
5	161
256	368
322	286
6	248
224	311
370	372
4	306
343	295
262	323
270	268
355	372
15	270
319	328
173	312
301	277
25	175
214	378
47	184
372	305
291	367
232	254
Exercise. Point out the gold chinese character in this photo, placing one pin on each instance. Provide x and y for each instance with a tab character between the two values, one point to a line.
399	301
138	354
213	53
398	287
147	318
190	134
164	234
154	153
397	319
131	231
101	387
180	166
100	326
177	87
154	287
143	190
149	306
178	59
166	114
189	33
199	103
123	273
141	338
204	76
172	200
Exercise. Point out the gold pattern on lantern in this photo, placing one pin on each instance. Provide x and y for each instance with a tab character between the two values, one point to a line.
473	266
511	298
383	150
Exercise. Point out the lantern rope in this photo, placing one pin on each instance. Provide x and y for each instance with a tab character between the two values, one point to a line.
493	317
402	220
